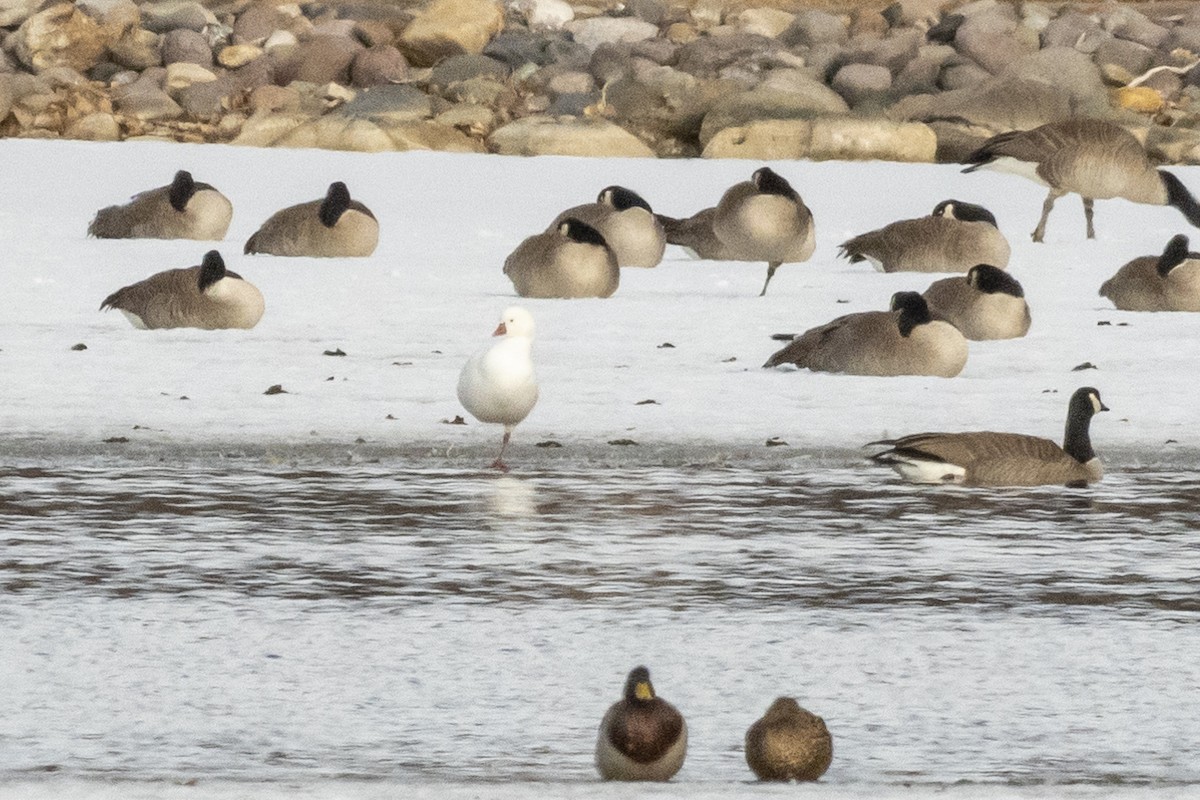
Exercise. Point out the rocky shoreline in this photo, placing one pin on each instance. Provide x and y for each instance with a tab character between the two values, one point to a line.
917	80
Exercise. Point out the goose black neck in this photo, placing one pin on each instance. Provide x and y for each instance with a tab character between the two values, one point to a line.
1077	441
993	280
769	181
182	189
1174	254
623	199
966	212
579	231
336	201
1181	198
913	310
212	269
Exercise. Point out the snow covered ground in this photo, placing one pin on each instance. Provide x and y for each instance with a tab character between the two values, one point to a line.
410	315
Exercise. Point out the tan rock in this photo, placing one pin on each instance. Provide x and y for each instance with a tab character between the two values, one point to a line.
542	135
806	99
826	138
1141	99
238	55
62	35
769	22
468	117
265	128
449	27
427	135
764	139
272	98
335	132
182	74
14	12
96	127
682	33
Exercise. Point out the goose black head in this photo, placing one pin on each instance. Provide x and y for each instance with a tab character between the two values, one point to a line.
579	231
638	688
993	280
1180	197
967	212
913	310
623	199
336	202
1085	404
768	181
1174	254
212	269
181	191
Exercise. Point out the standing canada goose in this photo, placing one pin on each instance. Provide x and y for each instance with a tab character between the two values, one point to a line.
986	303
183	210
333	227
642	737
573	260
904	341
1169	282
986	458
788	743
497	384
1093	158
953	238
626	222
207	296
762	219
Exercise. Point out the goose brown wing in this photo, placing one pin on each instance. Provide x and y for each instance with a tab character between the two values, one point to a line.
829	346
971	449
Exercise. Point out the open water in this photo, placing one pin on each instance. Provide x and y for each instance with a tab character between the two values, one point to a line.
257	629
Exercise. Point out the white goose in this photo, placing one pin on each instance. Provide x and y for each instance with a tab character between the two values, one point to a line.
497	384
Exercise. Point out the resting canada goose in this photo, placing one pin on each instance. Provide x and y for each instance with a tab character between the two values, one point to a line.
497	384
1093	158
626	222
903	341
208	296
642	737
953	238
183	210
573	260
986	303
762	219
986	458
788	743
333	227
1169	282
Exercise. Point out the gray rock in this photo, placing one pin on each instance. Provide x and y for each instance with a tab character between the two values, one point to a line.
516	47
320	60
571	82
1128	23
1077	30
961	73
611	62
893	52
145	98
708	55
381	64
137	49
1067	70
104	71
659	50
596	31
920	75
572	104
6	93
737	109
998	104
186	45
1186	36
652	11
175	15
482	91
395	103
859	83
812	26
1130	56
14	12
456	69
206	101
989	39
256	23
259	72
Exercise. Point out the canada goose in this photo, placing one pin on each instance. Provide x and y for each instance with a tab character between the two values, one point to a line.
1169	282
788	743
762	219
1093	158
986	303
903	341
573	260
207	296
642	737
333	227
986	458
183	210
953	238
497	384
626	222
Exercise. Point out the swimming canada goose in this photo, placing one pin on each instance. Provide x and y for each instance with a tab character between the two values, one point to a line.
642	737
1169	282
1093	158
497	384
207	296
904	341
626	222
183	210
762	219
986	458
788	743
953	238
986	303
573	260
333	227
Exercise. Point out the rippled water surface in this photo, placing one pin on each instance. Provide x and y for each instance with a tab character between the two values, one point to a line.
261	623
